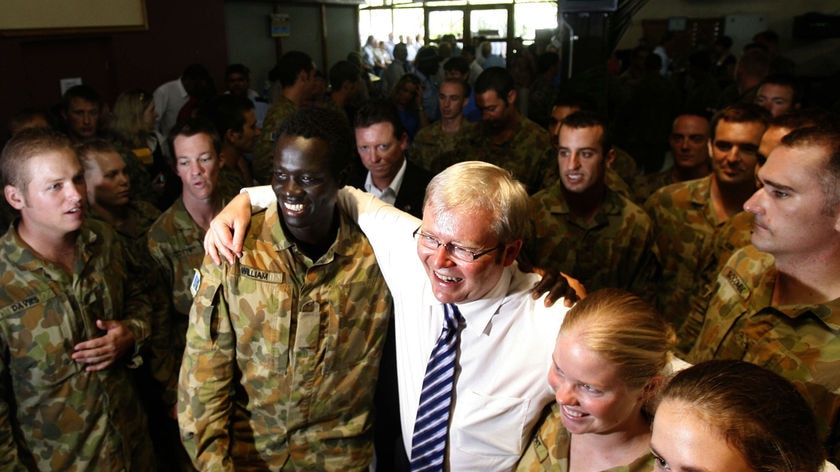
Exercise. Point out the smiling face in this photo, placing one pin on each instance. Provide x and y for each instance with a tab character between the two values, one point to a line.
197	164
592	395
682	441
734	151
452	280
790	216
53	201
381	152
581	158
107	183
305	186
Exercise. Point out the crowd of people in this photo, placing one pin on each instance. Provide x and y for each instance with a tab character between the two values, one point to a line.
455	262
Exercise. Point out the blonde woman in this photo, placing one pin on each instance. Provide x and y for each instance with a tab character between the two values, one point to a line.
611	356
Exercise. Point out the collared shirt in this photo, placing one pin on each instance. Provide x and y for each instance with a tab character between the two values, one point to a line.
389	193
799	342
169	98
504	352
614	248
528	154
55	415
434	149
283	353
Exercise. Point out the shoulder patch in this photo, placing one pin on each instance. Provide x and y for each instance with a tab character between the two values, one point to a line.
196	281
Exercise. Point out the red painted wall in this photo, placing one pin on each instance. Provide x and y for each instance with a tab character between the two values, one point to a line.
180	33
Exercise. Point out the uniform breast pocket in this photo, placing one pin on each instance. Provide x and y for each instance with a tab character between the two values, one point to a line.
42	332
357	326
260	311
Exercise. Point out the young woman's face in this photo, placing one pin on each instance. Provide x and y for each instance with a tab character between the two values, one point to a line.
593	397
682	441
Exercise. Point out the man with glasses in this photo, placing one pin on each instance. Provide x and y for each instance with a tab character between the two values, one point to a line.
686	215
462	254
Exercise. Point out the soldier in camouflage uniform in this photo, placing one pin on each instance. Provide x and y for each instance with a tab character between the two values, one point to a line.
175	238
686	215
236	124
506	138
780	308
72	323
580	226
689	149
444	142
283	346
295	73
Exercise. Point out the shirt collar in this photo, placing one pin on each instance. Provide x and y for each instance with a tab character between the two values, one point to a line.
480	313
389	194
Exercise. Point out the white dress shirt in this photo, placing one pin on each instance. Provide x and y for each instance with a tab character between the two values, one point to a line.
504	352
389	193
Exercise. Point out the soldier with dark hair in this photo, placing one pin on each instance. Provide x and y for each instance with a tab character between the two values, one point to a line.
505	137
776	303
686	215
283	345
295	72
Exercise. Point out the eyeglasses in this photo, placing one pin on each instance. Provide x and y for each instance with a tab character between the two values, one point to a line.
457	252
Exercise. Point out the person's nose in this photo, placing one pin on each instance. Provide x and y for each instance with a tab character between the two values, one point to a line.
753	204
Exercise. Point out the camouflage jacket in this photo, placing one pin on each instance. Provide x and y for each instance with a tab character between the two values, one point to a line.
528	154
684	224
230	183
613	249
798	342
133	234
176	244
624	165
282	355
54	414
435	150
645	185
264	150
549	449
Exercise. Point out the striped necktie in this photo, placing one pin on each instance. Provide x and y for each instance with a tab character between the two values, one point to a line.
428	446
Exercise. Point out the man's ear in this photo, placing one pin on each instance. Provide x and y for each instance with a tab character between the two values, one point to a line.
231	136
609	158
510	252
14	196
511	97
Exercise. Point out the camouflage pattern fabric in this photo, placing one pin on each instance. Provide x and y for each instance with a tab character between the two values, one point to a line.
264	151
283	354
624	165
230	183
684	224
613	249
549	449
55	415
133	234
645	185
176	245
528	154
435	150
798	342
